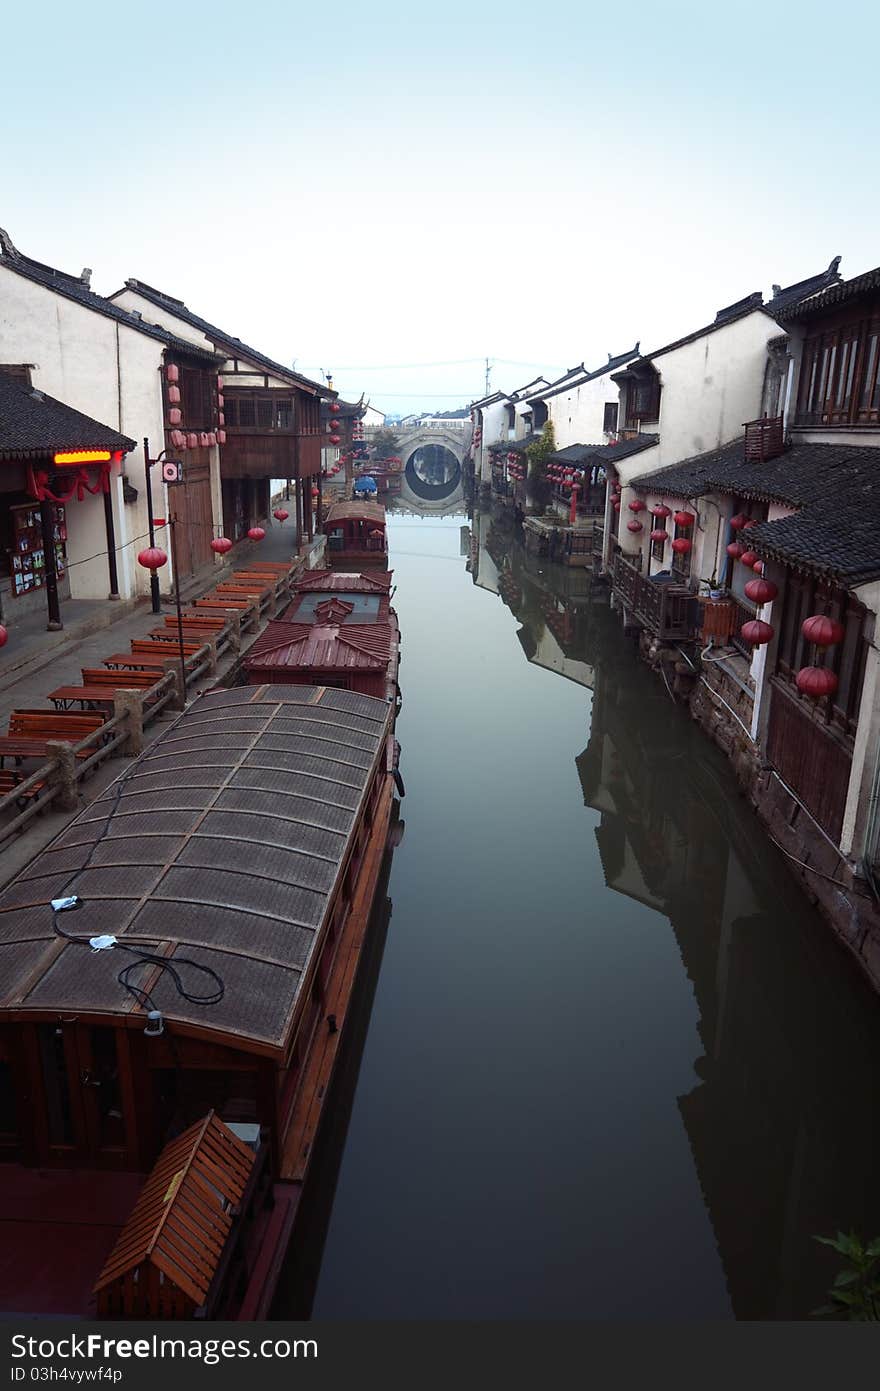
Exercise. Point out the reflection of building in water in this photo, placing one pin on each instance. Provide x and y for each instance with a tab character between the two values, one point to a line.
780	1116
552	603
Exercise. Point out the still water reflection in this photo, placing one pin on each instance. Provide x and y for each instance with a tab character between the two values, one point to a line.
616	1066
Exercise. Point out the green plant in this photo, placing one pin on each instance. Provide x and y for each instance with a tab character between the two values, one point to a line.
385	443
855	1294
538	452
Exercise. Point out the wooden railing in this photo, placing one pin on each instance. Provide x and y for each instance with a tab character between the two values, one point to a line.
663	608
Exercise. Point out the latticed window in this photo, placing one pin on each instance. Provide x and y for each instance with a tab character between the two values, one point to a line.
840	376
198	398
643	400
259	411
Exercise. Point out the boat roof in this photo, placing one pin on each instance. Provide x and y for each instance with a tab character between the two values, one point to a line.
322	646
368	511
350	583
223	844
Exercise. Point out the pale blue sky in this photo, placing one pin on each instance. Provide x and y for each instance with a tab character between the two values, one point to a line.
366	186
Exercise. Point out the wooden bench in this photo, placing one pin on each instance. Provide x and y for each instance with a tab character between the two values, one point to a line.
99	687
125	678
244	588
231	601
167	647
9	780
206	622
69	726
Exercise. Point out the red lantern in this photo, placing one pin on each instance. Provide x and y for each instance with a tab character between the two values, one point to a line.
192	441
761	591
152	558
256	533
634	526
758	567
616	504
221	436
738	522
178	439
335	439
4	636
734	550
816	682
174	395
637	505
822	630
661	512
752	521
280	515
684	520
314	494
172	372
749	558
756	632
174	416
335	407
221	544
661	536
682	545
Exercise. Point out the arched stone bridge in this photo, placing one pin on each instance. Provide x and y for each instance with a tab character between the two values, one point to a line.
432	459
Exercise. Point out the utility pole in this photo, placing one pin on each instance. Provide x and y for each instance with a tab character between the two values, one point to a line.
488	370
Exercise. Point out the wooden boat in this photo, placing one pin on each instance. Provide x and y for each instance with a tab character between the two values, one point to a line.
166	1046
339	630
356	535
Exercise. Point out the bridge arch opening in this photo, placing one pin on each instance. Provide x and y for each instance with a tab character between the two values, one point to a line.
433	471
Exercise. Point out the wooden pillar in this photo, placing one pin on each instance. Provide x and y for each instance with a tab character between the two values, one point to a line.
111	544
47	535
298	487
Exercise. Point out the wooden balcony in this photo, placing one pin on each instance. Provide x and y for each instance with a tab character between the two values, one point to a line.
764	439
660	606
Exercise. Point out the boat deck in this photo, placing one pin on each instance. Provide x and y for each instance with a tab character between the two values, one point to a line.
57	1228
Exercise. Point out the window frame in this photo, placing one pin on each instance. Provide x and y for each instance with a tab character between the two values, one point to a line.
840	366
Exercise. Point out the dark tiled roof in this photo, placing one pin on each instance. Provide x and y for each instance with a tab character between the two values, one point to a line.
33	425
573	453
815	303
577	376
783	299
741	310
611	453
177	307
75	288
518	446
835	486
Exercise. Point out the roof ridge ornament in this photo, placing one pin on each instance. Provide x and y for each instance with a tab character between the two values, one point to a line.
8	246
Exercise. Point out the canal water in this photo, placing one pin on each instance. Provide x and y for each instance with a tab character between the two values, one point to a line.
616	1067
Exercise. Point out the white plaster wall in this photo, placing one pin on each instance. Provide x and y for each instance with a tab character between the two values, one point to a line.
711	387
494	429
108	371
578	414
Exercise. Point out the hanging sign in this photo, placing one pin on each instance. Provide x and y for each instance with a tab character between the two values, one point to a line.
172	471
